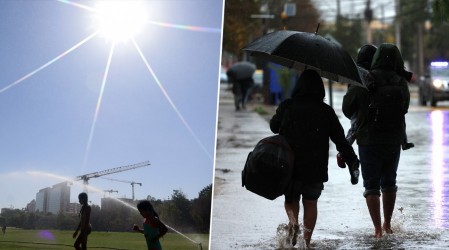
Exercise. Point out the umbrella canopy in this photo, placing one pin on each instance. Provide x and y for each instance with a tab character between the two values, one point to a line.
302	50
241	70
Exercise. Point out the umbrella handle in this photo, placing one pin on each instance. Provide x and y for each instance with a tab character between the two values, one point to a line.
316	31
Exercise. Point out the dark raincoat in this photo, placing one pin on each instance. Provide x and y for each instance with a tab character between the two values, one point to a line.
356	97
387	61
308	125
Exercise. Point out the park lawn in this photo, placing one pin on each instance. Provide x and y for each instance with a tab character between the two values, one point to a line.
57	239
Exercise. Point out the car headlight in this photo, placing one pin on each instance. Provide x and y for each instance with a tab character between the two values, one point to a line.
437	83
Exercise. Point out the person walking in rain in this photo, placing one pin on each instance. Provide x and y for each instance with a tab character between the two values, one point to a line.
84	226
153	228
241	76
357	94
308	123
381	132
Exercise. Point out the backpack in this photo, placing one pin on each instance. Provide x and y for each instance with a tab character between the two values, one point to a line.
386	105
268	168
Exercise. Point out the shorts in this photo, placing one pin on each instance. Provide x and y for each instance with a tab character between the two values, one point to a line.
379	168
309	191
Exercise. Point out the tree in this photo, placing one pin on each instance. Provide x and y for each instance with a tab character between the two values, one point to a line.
306	19
238	25
348	32
201	209
440	11
412	18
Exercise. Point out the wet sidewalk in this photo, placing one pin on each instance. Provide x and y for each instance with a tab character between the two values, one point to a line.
243	220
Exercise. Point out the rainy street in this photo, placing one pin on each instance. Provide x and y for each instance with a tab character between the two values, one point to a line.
243	220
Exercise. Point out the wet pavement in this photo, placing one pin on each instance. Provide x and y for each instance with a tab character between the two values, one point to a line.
243	220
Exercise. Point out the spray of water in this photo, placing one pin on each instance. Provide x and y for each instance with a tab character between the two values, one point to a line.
98	190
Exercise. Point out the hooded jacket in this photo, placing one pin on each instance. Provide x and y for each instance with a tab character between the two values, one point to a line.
387	61
308	125
356	96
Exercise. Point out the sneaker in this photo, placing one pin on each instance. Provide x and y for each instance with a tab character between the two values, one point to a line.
407	145
340	161
295	234
354	172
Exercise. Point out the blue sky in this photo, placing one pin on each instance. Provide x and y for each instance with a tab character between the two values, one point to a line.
47	117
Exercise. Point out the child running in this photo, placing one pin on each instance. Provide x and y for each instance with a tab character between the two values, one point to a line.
153	228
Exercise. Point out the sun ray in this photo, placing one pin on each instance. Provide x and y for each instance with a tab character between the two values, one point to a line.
186	27
181	117
23	78
97	109
81	6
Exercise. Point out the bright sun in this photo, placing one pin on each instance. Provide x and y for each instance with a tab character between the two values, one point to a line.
119	21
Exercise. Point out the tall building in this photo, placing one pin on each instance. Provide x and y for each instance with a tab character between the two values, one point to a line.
41	200
53	200
31	207
74	208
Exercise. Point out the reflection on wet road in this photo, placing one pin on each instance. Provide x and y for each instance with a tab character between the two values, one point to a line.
439	126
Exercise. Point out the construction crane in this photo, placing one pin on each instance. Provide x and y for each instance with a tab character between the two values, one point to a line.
130	182
87	177
109	191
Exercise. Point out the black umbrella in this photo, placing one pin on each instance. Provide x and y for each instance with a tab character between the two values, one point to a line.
241	70
301	50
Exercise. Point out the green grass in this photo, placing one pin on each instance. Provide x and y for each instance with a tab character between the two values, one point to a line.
56	239
260	110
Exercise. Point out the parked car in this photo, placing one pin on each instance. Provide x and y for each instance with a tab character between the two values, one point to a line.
434	86
223	76
258	78
255	94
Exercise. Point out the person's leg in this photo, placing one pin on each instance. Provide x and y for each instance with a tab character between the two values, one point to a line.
84	242
78	243
388	184
371	160
245	92
373	203
237	93
310	216
388	202
237	101
292	210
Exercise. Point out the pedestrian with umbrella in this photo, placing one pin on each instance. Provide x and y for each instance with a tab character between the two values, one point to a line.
308	126
240	75
309	123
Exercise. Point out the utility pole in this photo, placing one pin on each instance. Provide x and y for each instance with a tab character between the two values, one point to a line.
368	18
338	8
398	24
420	49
